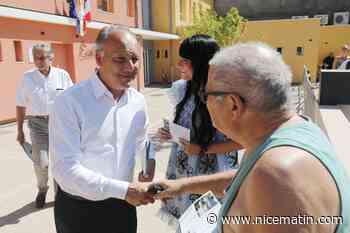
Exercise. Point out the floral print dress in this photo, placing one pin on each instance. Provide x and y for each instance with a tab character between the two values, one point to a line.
181	165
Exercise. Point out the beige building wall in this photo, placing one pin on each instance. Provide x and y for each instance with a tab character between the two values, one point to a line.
171	16
288	35
316	41
332	38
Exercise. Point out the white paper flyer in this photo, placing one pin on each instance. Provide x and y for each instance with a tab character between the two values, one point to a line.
198	218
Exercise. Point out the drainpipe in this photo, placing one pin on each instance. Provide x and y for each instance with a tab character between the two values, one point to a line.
172	30
136	18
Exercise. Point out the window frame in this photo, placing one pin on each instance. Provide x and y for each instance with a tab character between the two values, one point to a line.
18	47
109	6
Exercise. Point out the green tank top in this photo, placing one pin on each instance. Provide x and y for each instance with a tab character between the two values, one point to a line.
309	137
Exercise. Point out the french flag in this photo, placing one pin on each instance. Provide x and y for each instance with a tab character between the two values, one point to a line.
80	10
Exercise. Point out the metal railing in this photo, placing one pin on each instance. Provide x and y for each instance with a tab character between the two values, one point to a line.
311	107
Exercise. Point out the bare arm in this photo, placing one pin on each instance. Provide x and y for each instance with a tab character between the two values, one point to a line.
224	147
216	182
215	148
199	184
20	115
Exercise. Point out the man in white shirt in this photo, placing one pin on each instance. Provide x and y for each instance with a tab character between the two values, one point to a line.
96	129
35	95
345	65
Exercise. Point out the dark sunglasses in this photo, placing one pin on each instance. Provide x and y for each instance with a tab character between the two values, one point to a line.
203	95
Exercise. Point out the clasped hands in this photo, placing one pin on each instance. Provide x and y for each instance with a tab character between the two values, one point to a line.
143	193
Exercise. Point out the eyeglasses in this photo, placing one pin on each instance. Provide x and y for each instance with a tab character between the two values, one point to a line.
203	95
41	58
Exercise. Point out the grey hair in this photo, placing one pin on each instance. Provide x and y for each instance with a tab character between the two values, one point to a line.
43	47
103	35
257	73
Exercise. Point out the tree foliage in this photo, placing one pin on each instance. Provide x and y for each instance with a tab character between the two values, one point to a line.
225	29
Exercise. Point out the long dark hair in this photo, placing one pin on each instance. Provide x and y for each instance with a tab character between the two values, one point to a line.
199	49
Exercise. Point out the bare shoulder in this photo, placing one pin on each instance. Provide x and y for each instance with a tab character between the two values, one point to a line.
289	166
291	163
289	181
281	161
271	181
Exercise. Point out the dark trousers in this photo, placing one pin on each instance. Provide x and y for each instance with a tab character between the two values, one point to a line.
74	215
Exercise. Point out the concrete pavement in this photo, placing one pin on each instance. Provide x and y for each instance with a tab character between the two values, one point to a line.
18	185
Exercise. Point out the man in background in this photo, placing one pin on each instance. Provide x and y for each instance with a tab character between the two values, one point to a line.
36	94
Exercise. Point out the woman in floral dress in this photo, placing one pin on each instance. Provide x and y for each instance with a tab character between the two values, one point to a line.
208	151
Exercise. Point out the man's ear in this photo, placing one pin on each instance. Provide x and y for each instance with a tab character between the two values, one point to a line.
99	58
236	105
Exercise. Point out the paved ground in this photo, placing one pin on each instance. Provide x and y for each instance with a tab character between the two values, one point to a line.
17	211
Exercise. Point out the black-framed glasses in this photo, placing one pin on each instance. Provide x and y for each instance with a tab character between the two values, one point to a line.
203	95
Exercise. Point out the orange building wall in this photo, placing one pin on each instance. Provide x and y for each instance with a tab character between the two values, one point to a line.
119	15
83	66
66	46
10	73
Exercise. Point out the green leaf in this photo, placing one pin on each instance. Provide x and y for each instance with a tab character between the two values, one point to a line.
225	29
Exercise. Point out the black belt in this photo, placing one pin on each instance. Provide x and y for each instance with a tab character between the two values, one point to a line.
71	195
42	117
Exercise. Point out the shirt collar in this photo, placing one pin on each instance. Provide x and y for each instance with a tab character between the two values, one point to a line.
43	76
100	90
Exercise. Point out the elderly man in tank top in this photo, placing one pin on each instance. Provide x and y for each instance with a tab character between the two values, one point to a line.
289	167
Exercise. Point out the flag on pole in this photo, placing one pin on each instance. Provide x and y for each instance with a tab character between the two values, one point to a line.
80	10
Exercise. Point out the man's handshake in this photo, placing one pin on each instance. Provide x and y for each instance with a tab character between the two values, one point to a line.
137	194
146	193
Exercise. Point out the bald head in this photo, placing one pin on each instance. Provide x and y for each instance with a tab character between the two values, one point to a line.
117	57
256	72
120	36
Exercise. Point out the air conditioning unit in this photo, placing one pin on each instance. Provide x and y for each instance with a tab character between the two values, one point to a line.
300	17
323	18
341	18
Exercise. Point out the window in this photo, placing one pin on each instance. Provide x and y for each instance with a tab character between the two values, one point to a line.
300	51
280	50
0	52
166	53
131	8
158	54
18	50
105	5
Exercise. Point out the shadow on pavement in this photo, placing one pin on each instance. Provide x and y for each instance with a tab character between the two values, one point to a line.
14	217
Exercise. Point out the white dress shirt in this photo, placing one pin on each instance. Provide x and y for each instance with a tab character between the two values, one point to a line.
37	93
343	65
94	139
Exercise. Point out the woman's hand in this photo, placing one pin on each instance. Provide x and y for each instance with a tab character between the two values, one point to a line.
190	149
163	134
